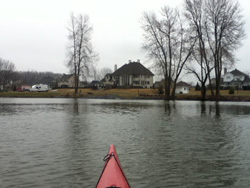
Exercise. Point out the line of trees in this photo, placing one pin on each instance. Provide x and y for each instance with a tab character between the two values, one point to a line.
201	39
7	69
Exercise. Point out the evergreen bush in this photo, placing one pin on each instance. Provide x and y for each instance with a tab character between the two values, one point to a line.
231	91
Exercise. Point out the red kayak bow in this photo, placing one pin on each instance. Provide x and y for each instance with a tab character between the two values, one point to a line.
112	175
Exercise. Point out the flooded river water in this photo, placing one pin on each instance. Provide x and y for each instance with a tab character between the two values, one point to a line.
61	142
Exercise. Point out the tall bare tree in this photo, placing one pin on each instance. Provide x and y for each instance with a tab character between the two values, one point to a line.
99	74
7	69
80	50
220	28
168	44
201	64
225	31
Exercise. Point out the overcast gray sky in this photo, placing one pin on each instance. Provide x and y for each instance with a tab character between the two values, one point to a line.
33	33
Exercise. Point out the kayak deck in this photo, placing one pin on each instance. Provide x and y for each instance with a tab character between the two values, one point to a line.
112	174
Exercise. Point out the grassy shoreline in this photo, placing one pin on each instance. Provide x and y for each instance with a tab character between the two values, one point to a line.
125	94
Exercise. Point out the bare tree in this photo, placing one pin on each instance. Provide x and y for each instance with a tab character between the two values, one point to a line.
7	69
200	64
34	77
101	73
220	28
168	44
225	31
80	51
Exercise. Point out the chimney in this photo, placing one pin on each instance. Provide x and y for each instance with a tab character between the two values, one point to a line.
129	61
115	67
225	71
138	60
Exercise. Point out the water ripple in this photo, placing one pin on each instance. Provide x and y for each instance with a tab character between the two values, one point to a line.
61	142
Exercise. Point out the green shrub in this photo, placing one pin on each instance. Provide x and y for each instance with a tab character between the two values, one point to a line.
231	91
197	87
160	90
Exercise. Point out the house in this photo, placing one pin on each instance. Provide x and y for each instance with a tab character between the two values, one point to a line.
133	74
95	84
182	88
235	78
66	80
20	85
84	84
109	81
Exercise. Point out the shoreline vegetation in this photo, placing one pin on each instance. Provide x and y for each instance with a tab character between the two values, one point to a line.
146	94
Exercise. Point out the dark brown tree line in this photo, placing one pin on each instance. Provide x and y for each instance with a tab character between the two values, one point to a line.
34	77
7	69
9	75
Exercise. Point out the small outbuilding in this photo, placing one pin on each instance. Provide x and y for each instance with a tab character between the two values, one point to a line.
182	88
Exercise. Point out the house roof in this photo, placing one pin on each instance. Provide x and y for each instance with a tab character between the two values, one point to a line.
181	83
247	79
95	82
236	72
109	77
133	68
65	77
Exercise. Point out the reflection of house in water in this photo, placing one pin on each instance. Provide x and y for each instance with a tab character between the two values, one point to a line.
133	74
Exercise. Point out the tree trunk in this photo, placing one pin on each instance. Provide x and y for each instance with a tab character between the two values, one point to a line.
167	88
76	89
210	85
173	90
203	91
217	89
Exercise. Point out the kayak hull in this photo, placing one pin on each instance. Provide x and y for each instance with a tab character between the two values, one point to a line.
112	174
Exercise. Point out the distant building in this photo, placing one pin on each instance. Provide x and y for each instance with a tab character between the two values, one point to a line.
235	78
84	84
95	84
109	81
66	80
182	88
130	75
19	85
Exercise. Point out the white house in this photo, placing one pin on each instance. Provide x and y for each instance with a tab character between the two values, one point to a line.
109	81
182	88
235	78
67	80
